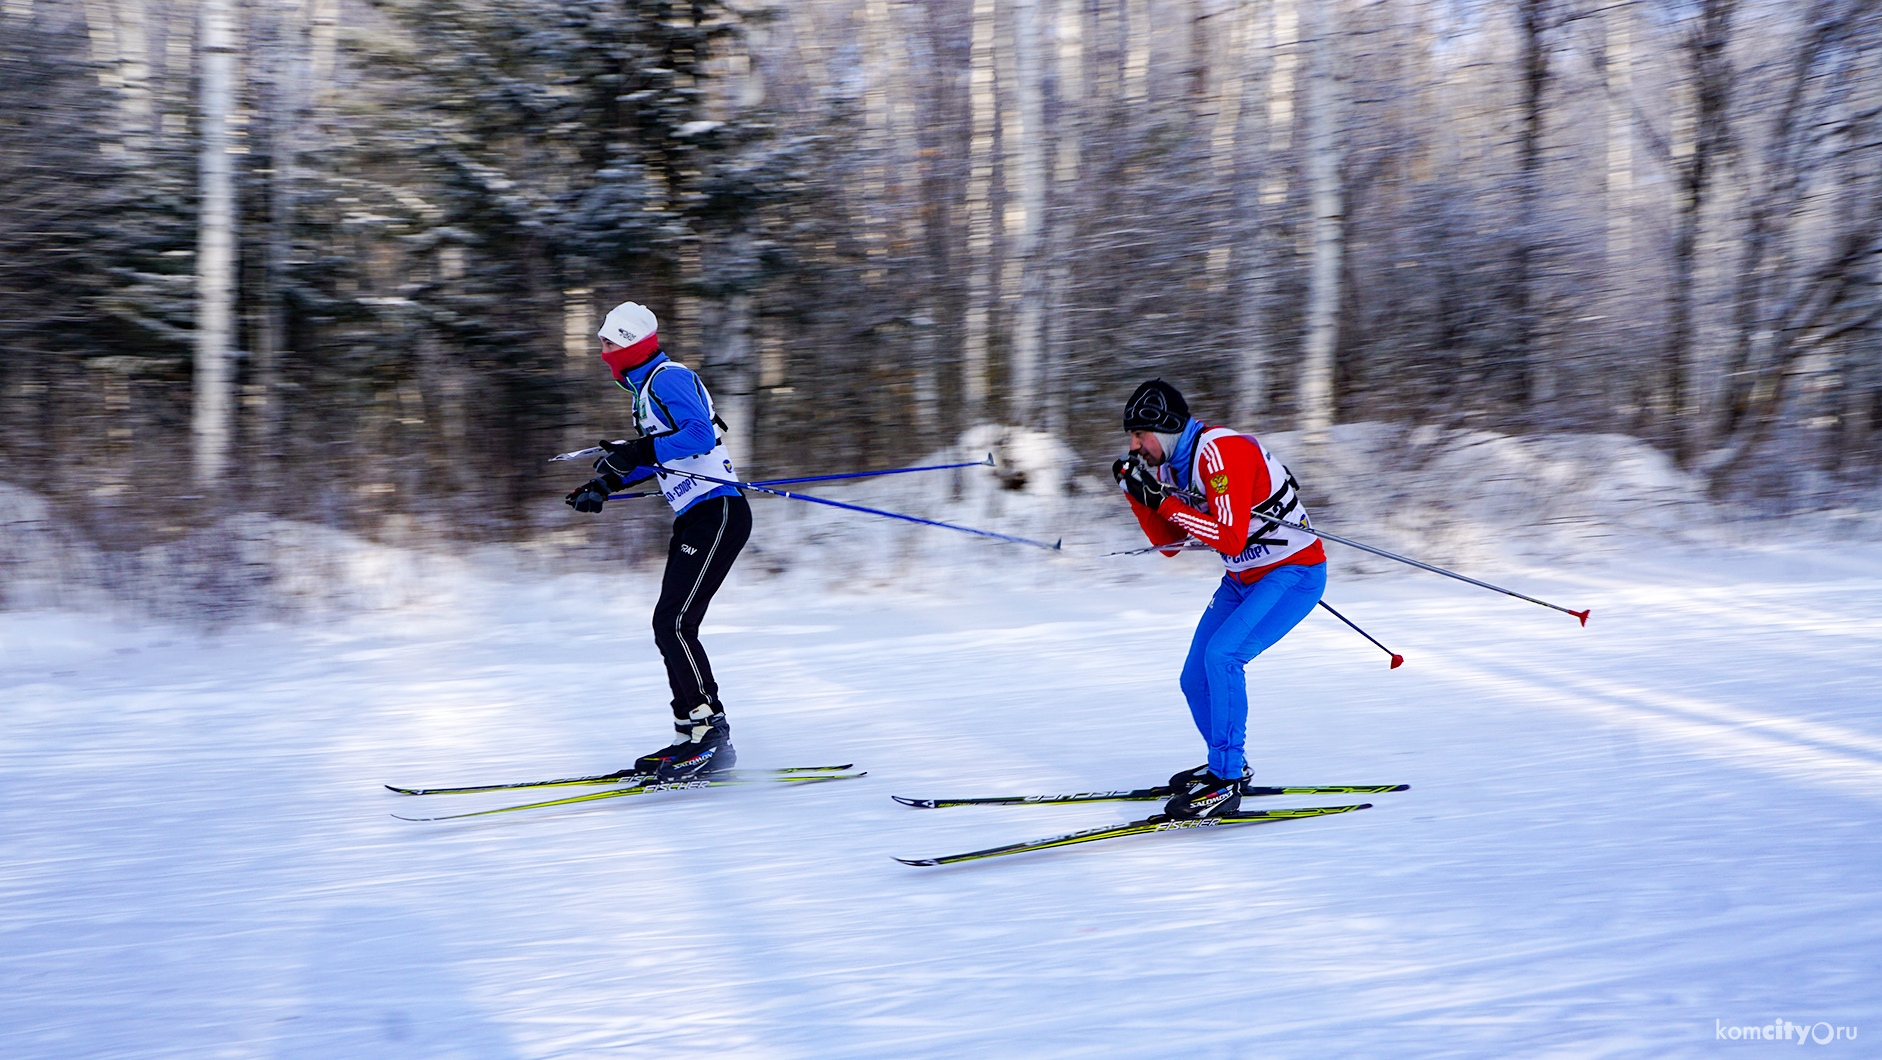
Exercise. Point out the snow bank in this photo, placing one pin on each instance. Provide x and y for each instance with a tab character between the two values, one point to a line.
1474	500
246	566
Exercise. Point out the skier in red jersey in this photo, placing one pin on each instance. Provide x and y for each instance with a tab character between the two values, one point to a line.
1225	489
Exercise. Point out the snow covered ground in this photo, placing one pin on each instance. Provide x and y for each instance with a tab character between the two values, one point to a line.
1631	840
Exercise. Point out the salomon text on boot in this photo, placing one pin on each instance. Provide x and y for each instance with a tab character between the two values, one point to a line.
1206	796
703	747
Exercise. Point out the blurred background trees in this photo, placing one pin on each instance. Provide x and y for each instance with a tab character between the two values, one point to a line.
873	224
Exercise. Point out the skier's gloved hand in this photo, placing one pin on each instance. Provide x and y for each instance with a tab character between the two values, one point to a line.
590	497
623	457
1141	483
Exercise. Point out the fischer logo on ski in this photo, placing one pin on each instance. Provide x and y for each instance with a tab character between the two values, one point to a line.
1149	825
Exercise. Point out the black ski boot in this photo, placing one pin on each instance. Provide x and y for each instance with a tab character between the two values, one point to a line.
1189	778
704	747
1205	796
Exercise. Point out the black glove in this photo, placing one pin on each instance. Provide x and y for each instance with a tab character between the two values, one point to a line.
590	497
1140	482
623	457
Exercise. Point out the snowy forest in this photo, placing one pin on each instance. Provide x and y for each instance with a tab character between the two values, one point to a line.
342	260
1574	303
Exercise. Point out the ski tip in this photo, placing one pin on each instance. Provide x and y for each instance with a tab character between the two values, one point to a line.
1397	661
920	804
401	791
918	861
1583	615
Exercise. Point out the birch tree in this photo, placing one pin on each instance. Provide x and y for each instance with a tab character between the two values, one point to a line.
984	117
1026	236
215	255
1696	153
1526	377
1067	161
1320	102
1812	231
1279	50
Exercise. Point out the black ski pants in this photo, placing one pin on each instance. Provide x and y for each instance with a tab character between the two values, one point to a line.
706	539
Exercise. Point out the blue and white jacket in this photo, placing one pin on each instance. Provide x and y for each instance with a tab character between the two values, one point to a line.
671	404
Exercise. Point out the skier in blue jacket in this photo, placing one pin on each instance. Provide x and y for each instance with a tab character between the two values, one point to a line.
679	438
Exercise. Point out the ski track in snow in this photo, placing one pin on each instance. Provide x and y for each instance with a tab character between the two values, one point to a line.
1615	836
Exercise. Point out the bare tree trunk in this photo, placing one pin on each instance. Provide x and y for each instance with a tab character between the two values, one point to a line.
215	251
984	116
1067	165
1225	142
1681	420
924	225
1260	276
1320	112
1026	160
120	45
728	362
1618	129
1524	380
1797	273
1140	37
880	154
322	48
287	62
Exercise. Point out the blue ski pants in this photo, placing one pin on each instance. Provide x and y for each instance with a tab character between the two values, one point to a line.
1241	622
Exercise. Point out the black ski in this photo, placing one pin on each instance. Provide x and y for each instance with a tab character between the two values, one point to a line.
625	776
1161	791
729	778
1156	823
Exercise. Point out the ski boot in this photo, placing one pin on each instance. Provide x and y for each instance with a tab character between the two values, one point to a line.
1205	796
1188	778
704	747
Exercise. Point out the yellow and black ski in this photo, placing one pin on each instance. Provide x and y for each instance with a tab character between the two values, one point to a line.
624	776
647	786
1161	791
1155	823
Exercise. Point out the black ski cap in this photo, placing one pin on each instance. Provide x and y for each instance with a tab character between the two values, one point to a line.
1156	406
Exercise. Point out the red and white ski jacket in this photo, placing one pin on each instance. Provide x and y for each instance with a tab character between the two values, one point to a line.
1244	490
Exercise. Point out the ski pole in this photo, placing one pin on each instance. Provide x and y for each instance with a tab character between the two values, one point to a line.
1184	545
988	462
859	508
1583	615
1190	545
1397	659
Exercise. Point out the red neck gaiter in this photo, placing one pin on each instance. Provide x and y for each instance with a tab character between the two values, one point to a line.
628	358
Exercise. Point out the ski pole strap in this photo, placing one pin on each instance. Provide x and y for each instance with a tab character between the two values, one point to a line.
860	508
